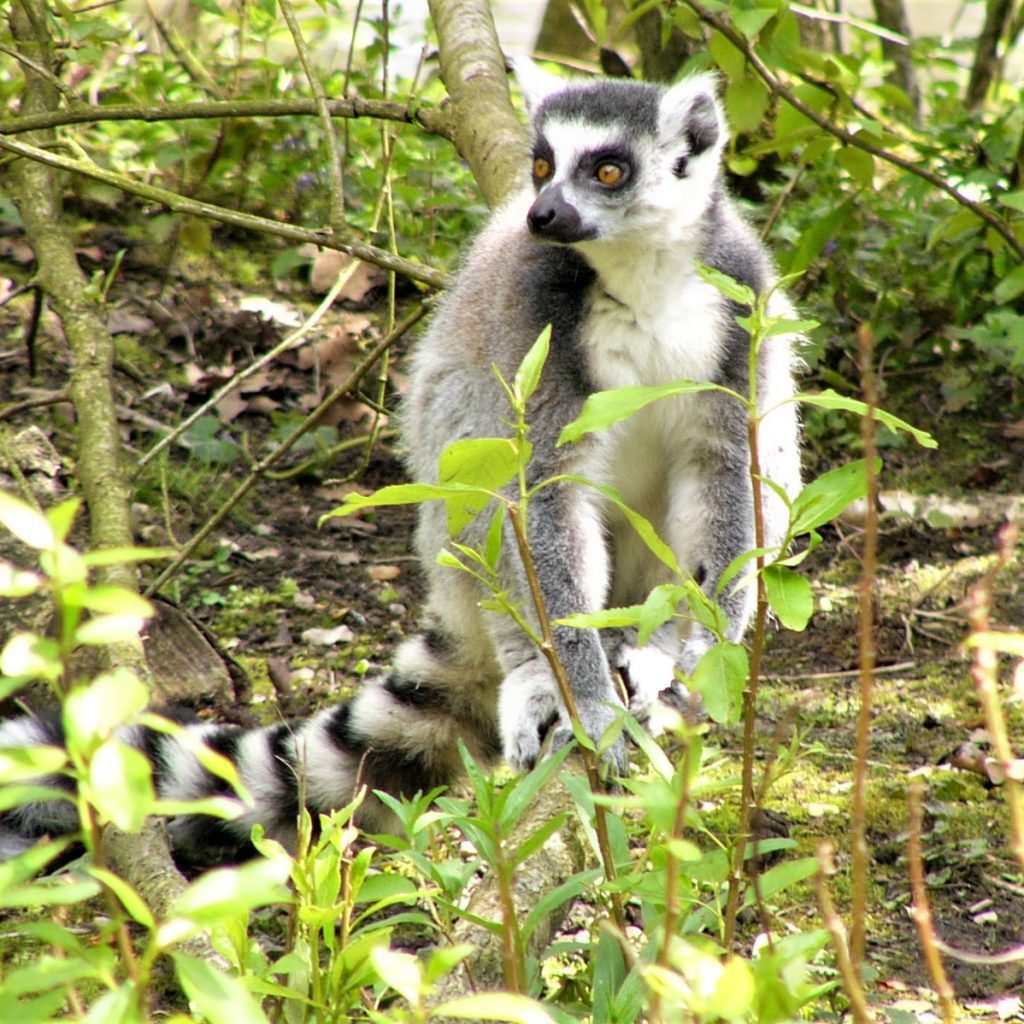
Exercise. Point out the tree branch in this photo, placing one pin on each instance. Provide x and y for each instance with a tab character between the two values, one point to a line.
251	222
427	117
741	43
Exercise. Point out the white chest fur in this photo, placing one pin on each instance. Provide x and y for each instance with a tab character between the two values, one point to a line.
669	328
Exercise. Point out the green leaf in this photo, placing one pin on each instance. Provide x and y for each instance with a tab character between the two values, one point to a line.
62	517
1014	200
120	785
401	971
751	20
745	103
553	898
781	877
859	164
109	629
28	656
789	595
15	582
528	374
606	408
26	523
524	791
728	286
17	763
643	529
1010	286
814	238
827	496
830	399
485	464
395	494
733	992
130	899
719	678
1008	643
110	600
93	712
225	893
219	997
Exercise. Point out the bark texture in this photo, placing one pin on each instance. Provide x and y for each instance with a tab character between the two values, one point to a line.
988	62
484	126
892	14
36	190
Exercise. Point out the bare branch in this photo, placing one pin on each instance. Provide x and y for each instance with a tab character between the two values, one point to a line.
181	204
426	116
741	43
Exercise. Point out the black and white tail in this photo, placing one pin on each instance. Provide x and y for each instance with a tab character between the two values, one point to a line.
399	734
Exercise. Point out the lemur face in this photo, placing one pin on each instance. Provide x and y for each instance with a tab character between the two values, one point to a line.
620	160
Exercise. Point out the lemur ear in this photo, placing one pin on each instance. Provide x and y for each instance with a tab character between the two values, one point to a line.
690	113
536	83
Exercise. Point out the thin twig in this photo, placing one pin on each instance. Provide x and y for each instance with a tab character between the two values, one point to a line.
180	204
550	653
834	923
426	116
290	341
323	112
49	398
45	73
722	25
984	670
921	910
868	654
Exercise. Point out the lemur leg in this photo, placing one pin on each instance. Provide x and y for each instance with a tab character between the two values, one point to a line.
572	568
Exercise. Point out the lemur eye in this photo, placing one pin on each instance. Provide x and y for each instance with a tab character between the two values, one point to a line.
609	174
541	168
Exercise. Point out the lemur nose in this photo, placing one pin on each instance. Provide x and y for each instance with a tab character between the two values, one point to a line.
553	218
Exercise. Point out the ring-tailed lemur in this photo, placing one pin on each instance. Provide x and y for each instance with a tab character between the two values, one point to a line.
627	194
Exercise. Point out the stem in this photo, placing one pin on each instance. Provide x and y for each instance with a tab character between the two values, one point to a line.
547	648
984	671
324	113
921	911
865	604
834	923
760	623
289	342
672	878
511	936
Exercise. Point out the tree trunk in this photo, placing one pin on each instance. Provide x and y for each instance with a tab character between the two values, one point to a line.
892	14
988	64
485	129
36	191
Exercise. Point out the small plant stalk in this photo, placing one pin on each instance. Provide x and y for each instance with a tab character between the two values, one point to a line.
547	648
834	923
512	955
866	594
985	672
756	653
921	911
672	913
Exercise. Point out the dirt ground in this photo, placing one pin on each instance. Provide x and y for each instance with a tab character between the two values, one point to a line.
307	610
